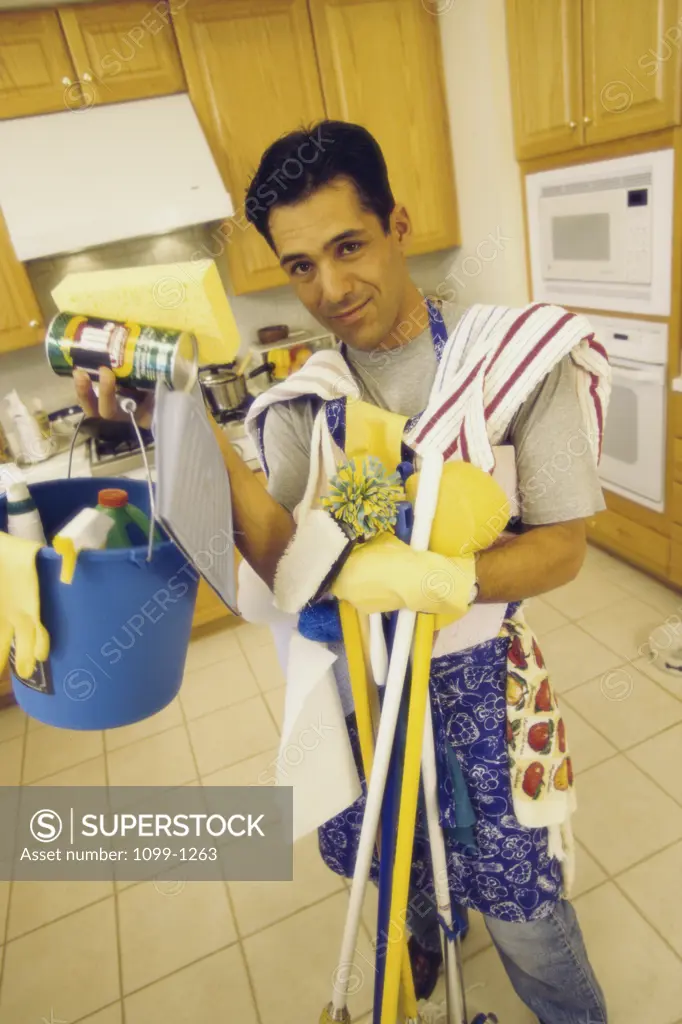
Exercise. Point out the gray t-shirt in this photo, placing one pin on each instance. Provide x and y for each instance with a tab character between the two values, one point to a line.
557	474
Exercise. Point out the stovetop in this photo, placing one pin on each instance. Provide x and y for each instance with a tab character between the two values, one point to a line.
122	456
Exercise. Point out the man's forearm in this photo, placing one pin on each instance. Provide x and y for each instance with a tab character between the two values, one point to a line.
262	527
533	563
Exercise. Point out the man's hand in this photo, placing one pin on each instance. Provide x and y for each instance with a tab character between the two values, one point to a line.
106	406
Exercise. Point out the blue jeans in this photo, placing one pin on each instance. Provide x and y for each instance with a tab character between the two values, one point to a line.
546	961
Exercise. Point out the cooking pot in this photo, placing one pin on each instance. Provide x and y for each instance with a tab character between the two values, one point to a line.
225	390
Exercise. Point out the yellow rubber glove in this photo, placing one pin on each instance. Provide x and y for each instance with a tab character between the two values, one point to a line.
386	575
20	605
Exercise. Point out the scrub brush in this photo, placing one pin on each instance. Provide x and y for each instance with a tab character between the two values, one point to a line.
362	502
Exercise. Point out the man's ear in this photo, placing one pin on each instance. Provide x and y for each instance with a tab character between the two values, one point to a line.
401	225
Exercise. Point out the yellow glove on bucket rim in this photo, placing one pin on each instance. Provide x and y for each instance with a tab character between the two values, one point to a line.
20	605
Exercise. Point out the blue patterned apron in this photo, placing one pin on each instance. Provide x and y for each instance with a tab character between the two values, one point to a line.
507	872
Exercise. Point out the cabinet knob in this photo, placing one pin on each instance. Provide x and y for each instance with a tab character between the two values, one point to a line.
66	81
86	76
573	125
33	323
587	120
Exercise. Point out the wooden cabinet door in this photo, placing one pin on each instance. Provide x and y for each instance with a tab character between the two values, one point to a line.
36	71
546	72
123	51
632	62
21	322
381	67
252	76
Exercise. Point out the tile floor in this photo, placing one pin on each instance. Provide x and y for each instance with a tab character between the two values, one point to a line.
263	953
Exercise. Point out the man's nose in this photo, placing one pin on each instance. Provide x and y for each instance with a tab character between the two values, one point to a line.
336	285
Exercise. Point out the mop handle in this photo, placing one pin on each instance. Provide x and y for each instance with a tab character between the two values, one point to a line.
454	987
424	512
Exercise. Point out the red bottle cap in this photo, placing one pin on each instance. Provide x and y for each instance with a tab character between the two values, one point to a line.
112	497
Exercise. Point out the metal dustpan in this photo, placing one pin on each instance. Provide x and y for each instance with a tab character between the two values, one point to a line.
193	501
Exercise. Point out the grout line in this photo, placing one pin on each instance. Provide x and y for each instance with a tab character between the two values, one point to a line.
101	1009
651	777
647	920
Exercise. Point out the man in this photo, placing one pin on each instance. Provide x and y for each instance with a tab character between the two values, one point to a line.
342	240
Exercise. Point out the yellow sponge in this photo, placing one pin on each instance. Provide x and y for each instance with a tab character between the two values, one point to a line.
472	510
179	296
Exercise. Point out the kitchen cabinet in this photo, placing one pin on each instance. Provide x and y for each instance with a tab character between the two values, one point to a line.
546	75
252	76
381	67
36	69
632	67
589	71
123	51
21	321
636	543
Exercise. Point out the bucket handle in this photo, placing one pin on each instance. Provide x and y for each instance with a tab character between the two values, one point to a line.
129	406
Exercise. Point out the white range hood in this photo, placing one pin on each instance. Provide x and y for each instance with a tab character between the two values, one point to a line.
83	178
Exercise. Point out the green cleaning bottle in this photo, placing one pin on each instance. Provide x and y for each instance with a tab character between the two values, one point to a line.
131	525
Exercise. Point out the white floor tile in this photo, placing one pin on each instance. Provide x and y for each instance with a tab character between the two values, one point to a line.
217	686
251	635
232	734
275	701
542	617
213	989
33	904
163	760
622	816
64	971
573	657
624	627
253	771
11	754
259	904
488	990
51	750
641	977
661	759
87	773
654	887
626	706
265	666
588	874
219	646
167	718
292	964
162	932
112	1015
590	592
13	723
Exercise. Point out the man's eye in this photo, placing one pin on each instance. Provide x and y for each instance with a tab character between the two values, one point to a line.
301	268
350	247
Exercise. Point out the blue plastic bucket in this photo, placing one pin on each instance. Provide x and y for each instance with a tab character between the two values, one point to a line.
119	632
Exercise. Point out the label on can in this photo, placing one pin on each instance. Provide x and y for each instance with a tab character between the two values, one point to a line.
138	355
41	680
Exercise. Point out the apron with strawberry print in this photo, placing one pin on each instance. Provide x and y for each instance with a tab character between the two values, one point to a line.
493	709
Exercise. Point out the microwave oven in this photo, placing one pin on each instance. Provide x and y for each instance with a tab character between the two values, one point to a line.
600	234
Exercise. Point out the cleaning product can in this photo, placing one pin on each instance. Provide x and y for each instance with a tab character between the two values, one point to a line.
138	355
23	518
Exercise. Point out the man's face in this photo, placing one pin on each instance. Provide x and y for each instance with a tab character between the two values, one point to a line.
345	270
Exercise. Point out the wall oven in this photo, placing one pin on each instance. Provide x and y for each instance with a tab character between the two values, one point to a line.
633	452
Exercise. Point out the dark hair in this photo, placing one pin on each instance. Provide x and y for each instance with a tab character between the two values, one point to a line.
299	163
